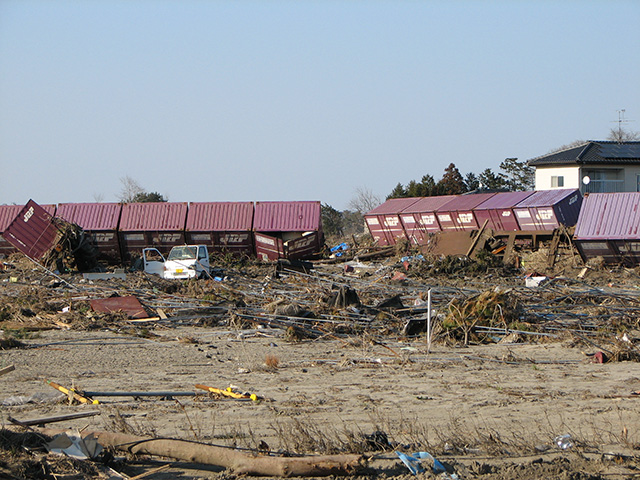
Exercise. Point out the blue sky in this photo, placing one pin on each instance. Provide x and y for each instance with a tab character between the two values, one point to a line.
299	100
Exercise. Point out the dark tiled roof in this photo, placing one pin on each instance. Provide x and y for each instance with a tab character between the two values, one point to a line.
592	152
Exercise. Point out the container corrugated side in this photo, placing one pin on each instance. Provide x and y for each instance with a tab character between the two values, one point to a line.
157	216
419	219
546	210
299	216
32	231
100	223
610	216
498	212
91	216
220	217
457	214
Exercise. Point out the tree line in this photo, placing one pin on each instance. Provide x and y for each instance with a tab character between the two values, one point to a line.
513	176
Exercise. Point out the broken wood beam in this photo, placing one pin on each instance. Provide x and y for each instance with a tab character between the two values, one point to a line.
240	463
476	239
553	248
8	369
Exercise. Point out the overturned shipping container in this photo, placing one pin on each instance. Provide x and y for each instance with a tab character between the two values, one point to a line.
498	212
224	227
457	214
384	222
290	230
160	225
546	210
419	219
32	231
99	221
7	214
609	227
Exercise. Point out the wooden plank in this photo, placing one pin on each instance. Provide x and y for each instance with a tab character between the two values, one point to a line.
553	248
8	369
511	241
477	238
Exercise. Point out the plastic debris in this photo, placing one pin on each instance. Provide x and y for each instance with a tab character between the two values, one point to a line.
73	445
339	250
413	462
533	282
563	441
38	397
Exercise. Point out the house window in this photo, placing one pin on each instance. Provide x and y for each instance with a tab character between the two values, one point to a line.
604	181
557	181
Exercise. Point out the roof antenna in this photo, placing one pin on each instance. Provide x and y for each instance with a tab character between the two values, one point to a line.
621	120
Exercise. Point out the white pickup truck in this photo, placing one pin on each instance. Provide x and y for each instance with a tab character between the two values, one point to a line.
183	262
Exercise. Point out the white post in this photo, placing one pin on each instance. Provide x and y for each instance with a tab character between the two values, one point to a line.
428	320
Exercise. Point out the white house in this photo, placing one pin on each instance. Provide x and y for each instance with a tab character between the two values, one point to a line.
593	167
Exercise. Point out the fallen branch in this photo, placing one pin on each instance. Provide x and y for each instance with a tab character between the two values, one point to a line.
239	462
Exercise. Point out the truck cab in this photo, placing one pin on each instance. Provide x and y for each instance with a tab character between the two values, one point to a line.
183	262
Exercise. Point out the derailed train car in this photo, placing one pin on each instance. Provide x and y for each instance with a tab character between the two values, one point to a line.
157	224
99	221
546	210
7	214
224	227
419	219
384	222
291	230
609	227
513	217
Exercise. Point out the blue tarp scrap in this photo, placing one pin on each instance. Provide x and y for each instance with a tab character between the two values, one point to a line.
414	258
338	249
413	463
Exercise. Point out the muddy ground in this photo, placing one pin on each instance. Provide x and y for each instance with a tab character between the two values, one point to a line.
488	404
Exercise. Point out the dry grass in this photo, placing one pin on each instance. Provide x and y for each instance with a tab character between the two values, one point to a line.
271	362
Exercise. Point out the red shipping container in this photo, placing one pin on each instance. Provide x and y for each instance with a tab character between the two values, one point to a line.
384	221
7	214
221	226
546	210
498	211
100	222
609	227
159	224
32	231
458	213
287	229
419	219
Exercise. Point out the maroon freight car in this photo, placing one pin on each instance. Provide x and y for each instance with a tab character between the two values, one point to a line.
457	214
546	210
384	221
159	224
224	227
7	214
290	230
419	219
609	227
99	221
498	212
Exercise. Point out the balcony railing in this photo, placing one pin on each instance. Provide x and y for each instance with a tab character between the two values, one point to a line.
603	186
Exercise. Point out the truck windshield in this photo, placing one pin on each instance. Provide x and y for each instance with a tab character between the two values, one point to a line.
183	253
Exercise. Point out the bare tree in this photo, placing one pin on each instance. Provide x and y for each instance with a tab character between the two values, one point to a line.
621	135
567	146
130	189
98	197
364	200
